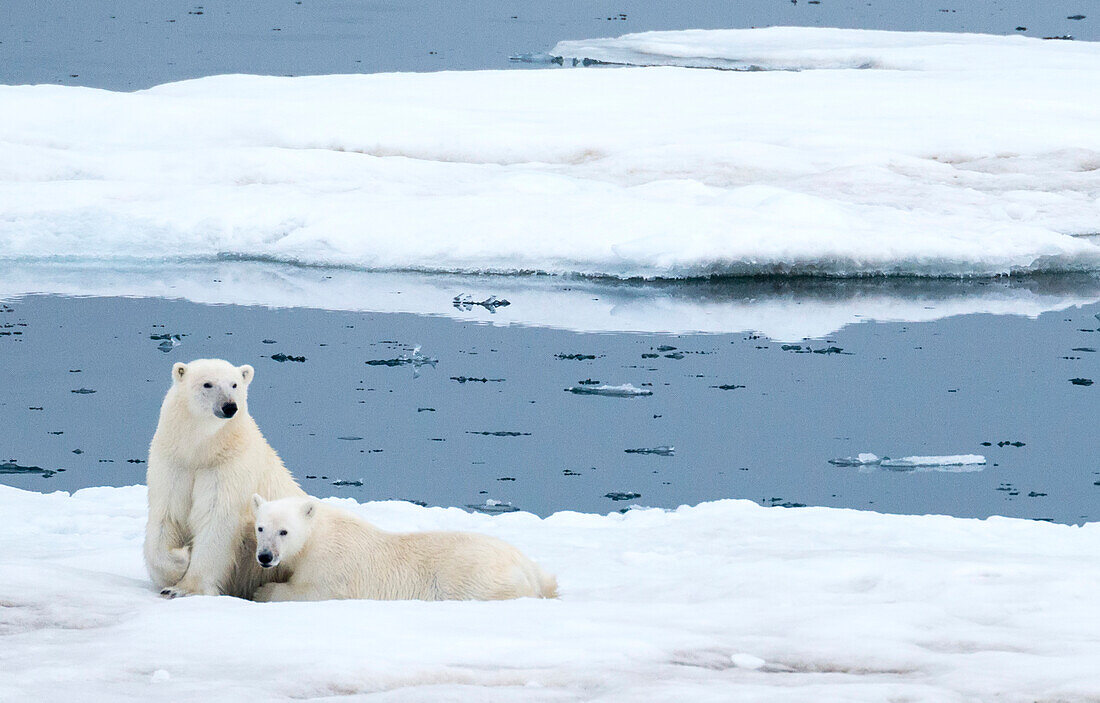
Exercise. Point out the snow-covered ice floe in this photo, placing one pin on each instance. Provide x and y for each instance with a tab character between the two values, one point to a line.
725	600
862	459
967	155
810	48
957	462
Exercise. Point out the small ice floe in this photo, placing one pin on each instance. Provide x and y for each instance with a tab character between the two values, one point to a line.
493	507
464	301
537	57
416	359
865	459
500	433
10	467
280	357
663	450
624	391
956	462
168	342
628	495
346	482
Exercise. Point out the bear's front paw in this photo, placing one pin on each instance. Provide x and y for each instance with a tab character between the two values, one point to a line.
173	592
181	589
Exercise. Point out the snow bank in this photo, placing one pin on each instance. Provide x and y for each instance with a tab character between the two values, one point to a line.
722	600
960	165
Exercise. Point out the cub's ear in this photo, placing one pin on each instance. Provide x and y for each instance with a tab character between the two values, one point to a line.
178	370
246	373
308	509
257	501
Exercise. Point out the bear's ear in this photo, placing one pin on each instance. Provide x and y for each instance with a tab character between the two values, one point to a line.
257	501
178	369
246	373
308	509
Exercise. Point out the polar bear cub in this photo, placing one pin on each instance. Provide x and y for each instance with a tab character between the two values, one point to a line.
205	461
330	553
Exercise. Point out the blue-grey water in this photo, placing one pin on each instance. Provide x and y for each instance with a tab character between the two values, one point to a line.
82	380
127	45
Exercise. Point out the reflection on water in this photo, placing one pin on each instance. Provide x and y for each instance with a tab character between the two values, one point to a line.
783	308
728	414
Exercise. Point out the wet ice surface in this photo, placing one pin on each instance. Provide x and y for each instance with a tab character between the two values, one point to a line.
505	436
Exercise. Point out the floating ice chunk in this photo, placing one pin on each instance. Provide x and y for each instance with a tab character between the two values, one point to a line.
416	359
935	462
537	57
622	495
663	450
464	301
492	506
864	459
624	391
10	467
281	357
168	342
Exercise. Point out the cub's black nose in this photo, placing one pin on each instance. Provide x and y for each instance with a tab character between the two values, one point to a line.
229	409
264	558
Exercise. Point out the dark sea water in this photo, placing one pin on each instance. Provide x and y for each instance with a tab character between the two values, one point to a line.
127	45
83	378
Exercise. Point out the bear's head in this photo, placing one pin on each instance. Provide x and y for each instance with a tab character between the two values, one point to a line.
212	389
282	527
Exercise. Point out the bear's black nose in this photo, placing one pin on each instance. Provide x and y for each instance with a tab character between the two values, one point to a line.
264	558
229	409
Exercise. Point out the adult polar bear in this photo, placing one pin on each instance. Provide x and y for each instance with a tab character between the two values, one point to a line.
206	461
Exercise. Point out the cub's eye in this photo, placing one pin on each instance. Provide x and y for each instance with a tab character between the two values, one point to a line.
282	533
259	529
208	385
234	385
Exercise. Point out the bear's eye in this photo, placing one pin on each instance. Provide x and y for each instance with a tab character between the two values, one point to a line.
208	385
259	529
234	385
282	533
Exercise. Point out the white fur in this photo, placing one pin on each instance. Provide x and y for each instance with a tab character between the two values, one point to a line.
202	469
329	553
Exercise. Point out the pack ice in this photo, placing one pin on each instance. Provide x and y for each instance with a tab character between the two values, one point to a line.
954	155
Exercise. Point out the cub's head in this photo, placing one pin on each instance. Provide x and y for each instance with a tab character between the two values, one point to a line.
213	388
282	527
